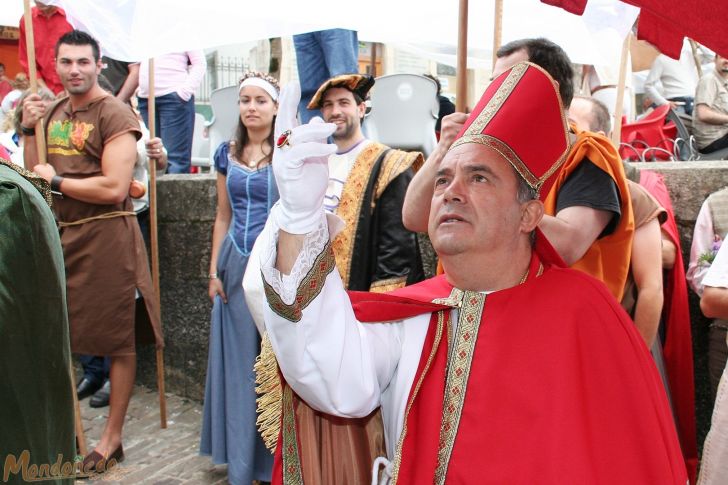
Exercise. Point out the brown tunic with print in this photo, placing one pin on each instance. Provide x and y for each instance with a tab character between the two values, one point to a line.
105	259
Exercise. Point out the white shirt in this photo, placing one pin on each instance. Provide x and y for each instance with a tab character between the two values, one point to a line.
713	468
703	246
668	79
180	72
340	165
717	275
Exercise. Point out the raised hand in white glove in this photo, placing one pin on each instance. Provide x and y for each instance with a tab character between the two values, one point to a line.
300	165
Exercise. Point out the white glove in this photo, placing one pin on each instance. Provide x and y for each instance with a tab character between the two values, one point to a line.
301	167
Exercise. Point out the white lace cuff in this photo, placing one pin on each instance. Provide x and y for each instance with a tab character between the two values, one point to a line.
286	286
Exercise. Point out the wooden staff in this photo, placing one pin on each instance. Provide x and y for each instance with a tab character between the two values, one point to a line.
497	29
33	75
696	58
42	158
80	435
155	245
617	132
461	80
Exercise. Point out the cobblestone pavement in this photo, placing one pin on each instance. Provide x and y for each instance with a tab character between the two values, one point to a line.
154	455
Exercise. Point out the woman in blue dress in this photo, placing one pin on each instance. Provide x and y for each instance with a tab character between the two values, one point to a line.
245	193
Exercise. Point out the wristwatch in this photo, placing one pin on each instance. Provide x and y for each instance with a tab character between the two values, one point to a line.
212	276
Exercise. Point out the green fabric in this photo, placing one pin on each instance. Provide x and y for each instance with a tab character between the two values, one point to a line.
36	404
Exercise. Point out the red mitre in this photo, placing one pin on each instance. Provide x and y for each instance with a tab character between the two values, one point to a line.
521	117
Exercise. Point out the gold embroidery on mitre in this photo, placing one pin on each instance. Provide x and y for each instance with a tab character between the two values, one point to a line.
474	133
308	289
495	103
459	364
349	207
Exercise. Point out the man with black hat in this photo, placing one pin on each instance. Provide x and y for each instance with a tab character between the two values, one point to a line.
367	182
486	374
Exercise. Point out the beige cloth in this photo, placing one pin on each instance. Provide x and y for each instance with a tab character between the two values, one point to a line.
712	91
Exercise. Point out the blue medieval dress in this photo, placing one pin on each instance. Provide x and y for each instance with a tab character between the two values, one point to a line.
229	433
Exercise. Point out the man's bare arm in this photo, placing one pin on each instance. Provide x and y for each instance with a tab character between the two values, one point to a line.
573	230
112	186
289	247
647	274
669	251
706	114
130	84
416	207
714	302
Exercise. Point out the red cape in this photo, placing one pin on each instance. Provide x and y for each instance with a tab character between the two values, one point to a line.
561	390
678	345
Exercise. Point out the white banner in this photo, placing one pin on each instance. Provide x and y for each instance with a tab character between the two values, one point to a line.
138	29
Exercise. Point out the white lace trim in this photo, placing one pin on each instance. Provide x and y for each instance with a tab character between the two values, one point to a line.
286	286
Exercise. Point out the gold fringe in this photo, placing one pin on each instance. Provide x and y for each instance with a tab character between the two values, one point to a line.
270	400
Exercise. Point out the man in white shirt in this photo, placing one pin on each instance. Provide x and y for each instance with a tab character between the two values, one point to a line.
714	303
669	83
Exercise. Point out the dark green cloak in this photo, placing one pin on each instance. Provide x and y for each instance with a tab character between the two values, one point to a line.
36	404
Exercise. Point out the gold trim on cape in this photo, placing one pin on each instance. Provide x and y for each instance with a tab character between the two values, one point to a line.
352	195
400	443
292	471
36	180
349	207
383	286
394	164
456	384
308	289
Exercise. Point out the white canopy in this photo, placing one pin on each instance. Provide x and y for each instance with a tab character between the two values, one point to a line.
137	29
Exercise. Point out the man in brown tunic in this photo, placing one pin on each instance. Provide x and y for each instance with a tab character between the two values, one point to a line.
91	146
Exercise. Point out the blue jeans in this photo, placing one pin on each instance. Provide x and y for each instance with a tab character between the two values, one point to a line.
320	56
175	123
95	368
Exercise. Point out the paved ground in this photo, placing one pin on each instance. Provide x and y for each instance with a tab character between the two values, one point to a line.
154	455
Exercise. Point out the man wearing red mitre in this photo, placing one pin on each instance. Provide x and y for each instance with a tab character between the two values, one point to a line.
509	367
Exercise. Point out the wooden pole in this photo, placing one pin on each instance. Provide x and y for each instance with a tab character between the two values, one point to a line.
497	29
696	57
80	435
33	75
155	244
461	82
373	59
618	109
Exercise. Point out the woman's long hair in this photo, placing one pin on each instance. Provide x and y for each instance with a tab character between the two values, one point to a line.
241	138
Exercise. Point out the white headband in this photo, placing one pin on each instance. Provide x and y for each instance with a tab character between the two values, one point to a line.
262	84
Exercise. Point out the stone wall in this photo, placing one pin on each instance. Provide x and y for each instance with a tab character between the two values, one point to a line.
186	215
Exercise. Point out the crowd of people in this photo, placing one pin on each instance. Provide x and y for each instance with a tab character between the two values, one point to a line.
553	344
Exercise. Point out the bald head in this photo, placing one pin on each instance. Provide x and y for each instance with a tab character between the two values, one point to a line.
590	114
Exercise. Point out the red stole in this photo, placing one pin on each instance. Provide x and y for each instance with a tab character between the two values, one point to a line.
678	347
